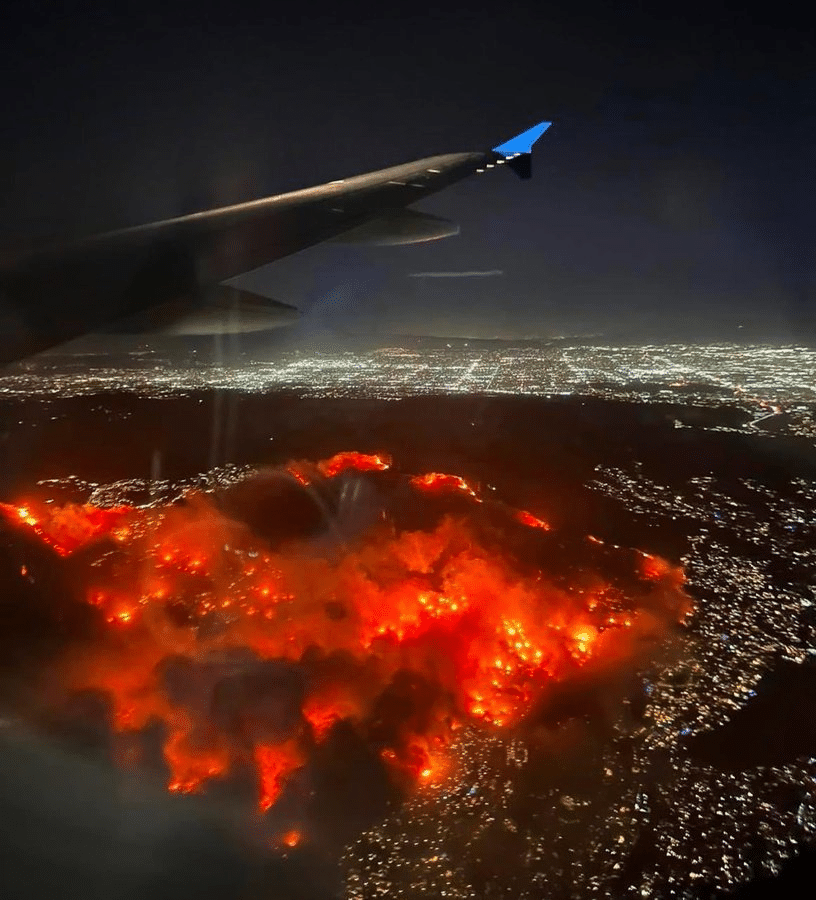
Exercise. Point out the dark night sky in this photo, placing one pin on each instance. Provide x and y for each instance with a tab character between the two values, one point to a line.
671	197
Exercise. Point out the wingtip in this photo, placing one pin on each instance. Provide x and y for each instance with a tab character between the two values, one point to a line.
522	143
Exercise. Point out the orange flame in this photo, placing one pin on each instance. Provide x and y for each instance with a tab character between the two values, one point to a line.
527	518
439	483
275	765
361	462
196	585
654	568
67	528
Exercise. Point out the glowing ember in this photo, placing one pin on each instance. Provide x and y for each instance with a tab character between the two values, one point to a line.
248	655
654	568
290	838
299	476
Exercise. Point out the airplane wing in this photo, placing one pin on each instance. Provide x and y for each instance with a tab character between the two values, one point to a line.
160	273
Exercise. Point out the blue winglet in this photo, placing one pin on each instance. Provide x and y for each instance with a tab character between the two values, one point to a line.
522	143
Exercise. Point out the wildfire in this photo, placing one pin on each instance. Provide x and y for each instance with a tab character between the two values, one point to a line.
275	765
436	768
438	482
361	462
249	656
67	528
322	713
191	765
527	518
654	568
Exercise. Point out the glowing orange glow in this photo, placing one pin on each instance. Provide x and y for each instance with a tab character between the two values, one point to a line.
654	568
435	768
299	475
291	838
362	462
275	764
418	762
187	584
65	528
438	483
124	616
323	712
584	634
191	764
527	518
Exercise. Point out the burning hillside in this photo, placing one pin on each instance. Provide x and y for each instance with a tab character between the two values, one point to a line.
247	625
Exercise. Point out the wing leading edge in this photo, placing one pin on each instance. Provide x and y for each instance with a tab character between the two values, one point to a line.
90	283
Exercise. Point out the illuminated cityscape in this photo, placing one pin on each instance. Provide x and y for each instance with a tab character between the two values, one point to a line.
774	386
701	825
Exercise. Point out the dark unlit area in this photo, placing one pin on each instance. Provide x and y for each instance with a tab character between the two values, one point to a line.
76	828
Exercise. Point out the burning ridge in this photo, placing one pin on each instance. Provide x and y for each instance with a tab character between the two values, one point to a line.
252	626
